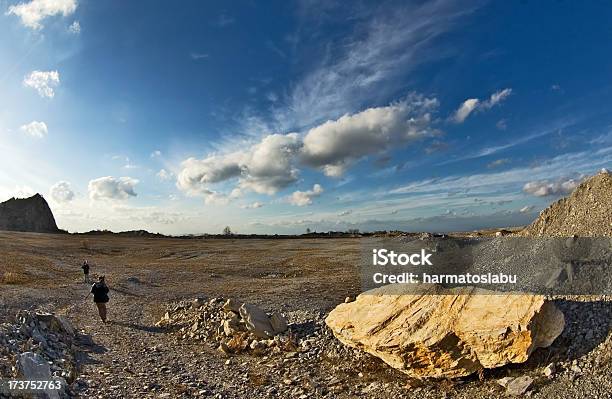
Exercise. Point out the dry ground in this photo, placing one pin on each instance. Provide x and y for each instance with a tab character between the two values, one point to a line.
129	357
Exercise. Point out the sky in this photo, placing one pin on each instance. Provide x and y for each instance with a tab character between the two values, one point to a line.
282	116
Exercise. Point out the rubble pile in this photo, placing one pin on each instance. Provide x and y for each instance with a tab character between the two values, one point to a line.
230	326
35	342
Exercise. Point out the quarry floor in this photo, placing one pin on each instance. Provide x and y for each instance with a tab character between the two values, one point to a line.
130	357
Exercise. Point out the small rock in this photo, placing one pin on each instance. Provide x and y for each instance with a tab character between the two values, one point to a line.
550	370
519	385
279	323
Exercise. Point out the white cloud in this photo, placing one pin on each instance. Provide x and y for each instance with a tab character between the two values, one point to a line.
465	109
129	164
163	174
196	175
513	179
75	28
265	167
198	56
303	198
373	61
156	154
335	145
526	209
33	13
544	188
109	187
35	129
497	163
43	82
496	98
61	192
345	213
268	166
254	205
474	104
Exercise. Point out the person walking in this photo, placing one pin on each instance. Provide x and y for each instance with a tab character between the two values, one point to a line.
85	268
100	293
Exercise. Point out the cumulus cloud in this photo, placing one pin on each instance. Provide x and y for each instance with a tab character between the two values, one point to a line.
271	164
254	205
334	145
164	175
265	167
197	174
268	166
474	104
109	187
61	192
304	198
43	82
75	28
544	188
35	129
33	13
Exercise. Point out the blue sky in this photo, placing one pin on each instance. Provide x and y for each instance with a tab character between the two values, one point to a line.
275	117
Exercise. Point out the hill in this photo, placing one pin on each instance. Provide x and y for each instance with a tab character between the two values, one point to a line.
28	214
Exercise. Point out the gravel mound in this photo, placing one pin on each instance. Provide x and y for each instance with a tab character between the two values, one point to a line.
586	212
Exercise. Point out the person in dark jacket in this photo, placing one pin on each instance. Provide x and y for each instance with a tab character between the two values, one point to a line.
100	293
85	268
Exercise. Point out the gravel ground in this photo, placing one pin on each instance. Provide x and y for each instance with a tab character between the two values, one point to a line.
303	279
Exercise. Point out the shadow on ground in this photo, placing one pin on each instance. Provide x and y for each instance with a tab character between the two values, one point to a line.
85	348
149	329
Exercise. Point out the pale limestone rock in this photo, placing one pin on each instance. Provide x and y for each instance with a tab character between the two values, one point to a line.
438	332
256	320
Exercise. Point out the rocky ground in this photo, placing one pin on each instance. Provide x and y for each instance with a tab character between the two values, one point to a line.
302	279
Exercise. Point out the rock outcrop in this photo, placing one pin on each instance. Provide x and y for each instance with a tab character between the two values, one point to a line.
29	214
586	212
446	333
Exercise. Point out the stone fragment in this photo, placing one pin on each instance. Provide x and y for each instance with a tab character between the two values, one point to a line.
232	305
518	386
32	367
279	323
256	320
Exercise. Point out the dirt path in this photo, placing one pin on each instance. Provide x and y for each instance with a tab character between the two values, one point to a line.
129	356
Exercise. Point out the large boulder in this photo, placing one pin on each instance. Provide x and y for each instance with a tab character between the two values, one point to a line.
438	332
29	214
